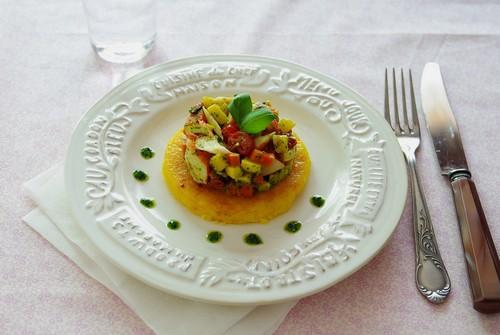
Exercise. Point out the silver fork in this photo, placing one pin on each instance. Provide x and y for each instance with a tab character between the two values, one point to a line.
430	273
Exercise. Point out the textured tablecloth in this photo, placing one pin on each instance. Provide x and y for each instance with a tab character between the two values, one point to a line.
49	77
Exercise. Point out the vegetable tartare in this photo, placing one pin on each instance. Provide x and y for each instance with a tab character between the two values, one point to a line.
232	149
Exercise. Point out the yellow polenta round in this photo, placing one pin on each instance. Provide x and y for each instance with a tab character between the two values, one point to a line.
221	207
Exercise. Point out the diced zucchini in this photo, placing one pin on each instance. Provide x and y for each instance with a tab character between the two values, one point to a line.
197	168
264	187
261	141
234	172
289	154
212	122
250	166
245	179
207	101
218	114
280	143
286	125
218	162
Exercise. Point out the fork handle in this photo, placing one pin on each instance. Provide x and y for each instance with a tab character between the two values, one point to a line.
430	273
483	265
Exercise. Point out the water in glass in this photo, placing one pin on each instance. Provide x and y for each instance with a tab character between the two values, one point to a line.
121	31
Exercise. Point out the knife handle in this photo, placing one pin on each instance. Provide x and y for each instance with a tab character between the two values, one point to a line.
483	265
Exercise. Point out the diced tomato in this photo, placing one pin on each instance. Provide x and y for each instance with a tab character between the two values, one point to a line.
274	125
240	142
261	157
204	156
246	191
233	159
267	159
292	141
259	180
230	128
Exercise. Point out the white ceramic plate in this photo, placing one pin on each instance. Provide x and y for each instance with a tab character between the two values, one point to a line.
357	166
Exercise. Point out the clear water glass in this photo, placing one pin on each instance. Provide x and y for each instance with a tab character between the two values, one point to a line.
121	31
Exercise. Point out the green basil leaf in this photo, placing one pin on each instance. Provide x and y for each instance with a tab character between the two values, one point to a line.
258	120
240	107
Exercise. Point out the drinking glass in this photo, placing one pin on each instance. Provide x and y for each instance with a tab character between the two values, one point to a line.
121	31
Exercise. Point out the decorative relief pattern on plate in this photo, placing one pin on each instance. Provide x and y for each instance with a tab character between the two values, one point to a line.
102	150
335	241
149	243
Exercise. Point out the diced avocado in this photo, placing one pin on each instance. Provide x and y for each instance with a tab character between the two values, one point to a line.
261	141
234	172
275	178
210	144
245	179
280	175
218	162
286	125
197	168
218	114
264	187
280	143
212	122
197	128
289	154
250	166
207	101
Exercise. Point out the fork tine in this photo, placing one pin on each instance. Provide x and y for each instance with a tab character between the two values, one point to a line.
387	111
397	125
414	113
406	124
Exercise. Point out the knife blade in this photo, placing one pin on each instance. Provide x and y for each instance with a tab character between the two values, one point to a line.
441	122
483	265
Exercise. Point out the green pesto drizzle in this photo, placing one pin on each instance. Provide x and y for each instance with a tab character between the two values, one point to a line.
214	236
147	153
173	224
140	175
317	200
293	226
252	239
148	203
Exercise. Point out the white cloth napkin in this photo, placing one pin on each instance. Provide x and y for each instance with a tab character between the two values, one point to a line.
164	313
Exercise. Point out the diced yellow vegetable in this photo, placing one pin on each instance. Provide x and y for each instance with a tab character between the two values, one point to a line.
286	125
250	166
234	172
280	143
207	101
224	108
245	179
217	113
222	100
218	162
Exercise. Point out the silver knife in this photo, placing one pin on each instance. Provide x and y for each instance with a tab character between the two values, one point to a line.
483	265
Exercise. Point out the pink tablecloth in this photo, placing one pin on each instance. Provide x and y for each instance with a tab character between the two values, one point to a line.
49	77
